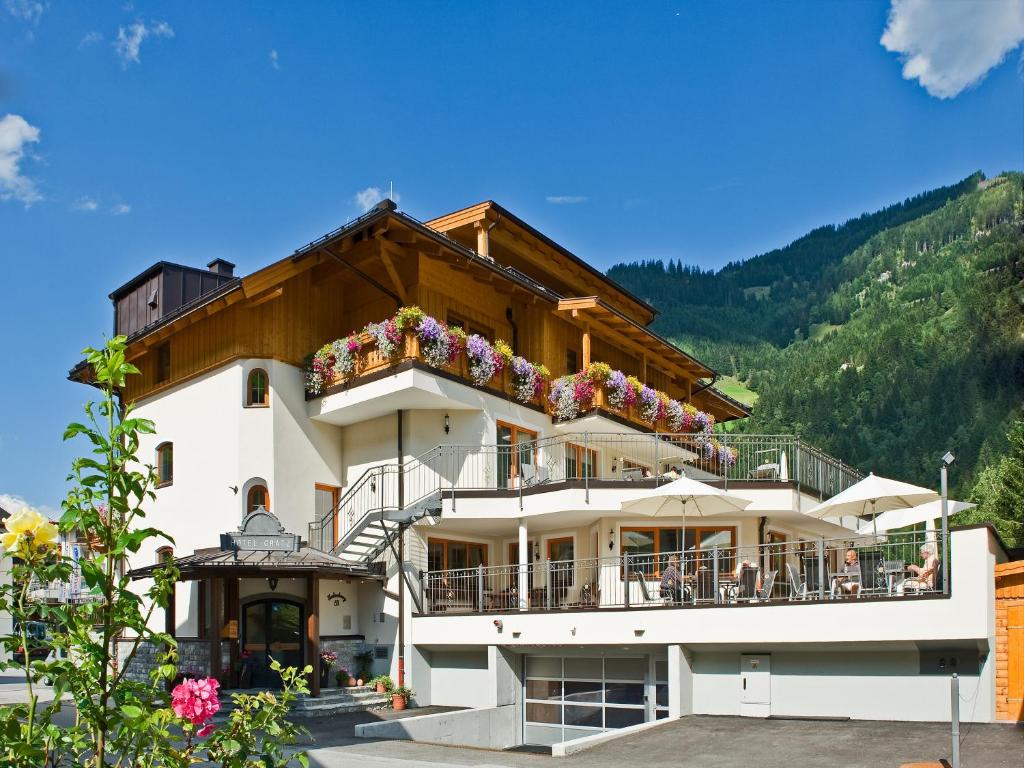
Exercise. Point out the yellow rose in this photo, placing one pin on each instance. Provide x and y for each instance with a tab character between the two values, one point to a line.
10	541
25	525
25	521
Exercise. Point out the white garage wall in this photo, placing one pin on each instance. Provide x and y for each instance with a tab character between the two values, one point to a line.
862	685
460	678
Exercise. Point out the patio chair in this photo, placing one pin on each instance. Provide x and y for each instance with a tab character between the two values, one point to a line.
645	592
766	586
872	571
797	586
894	570
705	586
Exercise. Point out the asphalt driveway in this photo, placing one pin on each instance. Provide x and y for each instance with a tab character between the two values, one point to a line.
697	742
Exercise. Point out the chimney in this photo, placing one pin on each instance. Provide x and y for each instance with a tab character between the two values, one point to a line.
386	205
221	267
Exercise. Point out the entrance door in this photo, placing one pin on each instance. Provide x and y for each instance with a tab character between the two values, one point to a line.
273	629
756	685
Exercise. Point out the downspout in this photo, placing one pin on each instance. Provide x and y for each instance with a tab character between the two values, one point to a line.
714	378
401	559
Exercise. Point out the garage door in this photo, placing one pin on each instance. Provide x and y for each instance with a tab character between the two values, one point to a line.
568	697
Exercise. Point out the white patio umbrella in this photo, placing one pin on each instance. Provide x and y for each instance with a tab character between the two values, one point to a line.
922	513
873	495
684	498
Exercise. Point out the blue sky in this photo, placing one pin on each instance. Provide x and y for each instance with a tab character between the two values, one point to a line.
133	132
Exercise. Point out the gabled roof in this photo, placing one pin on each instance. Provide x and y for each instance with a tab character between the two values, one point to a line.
492	211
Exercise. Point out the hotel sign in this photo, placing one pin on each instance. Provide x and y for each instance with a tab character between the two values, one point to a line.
260	532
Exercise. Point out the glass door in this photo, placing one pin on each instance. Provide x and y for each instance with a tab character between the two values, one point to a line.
273	629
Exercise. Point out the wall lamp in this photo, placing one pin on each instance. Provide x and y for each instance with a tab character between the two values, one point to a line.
536	552
447	424
272	583
611	538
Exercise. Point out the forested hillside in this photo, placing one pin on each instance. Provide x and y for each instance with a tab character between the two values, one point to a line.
906	345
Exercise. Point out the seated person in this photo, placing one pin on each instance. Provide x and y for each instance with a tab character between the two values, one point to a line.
672	580
924	575
849	578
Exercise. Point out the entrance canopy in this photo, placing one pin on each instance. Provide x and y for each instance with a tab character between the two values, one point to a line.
260	548
305	561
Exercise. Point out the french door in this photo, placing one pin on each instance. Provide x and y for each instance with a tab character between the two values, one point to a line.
273	629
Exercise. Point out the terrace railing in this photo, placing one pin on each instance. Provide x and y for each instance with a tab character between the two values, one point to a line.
801	570
584	460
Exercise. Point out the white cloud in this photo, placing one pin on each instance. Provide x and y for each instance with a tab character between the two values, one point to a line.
566	199
13	503
26	10
121	209
90	38
129	41
951	45
87	204
15	135
274	59
369	197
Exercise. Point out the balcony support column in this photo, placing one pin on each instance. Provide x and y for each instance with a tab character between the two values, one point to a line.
680	682
524	566
586	346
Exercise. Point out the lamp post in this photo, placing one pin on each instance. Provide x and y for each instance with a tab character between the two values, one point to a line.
947	461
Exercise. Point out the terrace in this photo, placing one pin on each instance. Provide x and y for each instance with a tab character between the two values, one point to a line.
593	468
698	574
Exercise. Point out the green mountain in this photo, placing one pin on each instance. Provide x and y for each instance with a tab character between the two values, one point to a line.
885	340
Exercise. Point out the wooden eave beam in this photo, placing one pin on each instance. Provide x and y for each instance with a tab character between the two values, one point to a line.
386	249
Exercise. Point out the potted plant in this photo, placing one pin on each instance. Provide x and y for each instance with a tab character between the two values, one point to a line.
328	659
342	677
364	663
382	683
400	697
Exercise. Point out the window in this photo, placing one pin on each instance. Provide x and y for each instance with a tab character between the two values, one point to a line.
651	547
447	555
164	464
469	327
517	455
257	389
163	363
580	462
572	361
325	503
560	558
164	555
258	496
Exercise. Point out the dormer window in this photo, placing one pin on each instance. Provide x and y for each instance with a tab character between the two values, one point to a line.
164	464
258	496
257	389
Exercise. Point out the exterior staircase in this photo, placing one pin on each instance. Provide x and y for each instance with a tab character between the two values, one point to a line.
330	702
369	535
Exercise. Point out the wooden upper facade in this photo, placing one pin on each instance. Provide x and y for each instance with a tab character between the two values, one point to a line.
480	266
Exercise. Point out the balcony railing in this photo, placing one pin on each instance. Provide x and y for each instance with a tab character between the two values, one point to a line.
892	567
583	460
369	360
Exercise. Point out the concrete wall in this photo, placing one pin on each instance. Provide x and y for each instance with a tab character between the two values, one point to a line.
460	679
487	728
858	684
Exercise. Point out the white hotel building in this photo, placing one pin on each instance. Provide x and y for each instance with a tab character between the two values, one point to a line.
525	593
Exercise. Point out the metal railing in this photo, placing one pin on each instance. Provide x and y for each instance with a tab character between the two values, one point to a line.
892	566
586	460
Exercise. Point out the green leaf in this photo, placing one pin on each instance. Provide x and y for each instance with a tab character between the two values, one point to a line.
131	712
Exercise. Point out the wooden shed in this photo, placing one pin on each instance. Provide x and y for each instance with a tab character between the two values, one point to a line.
1010	641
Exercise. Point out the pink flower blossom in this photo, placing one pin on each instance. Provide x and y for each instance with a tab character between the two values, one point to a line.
196	700
205	731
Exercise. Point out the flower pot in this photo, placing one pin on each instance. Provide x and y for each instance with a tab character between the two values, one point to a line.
398	702
359	681
351	682
381	688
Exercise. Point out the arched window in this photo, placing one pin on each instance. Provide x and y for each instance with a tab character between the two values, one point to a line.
164	464
164	554
257	497
257	389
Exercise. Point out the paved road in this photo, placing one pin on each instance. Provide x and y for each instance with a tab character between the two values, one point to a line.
698	742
